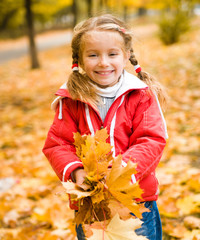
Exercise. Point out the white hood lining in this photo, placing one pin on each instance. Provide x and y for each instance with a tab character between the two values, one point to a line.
87	112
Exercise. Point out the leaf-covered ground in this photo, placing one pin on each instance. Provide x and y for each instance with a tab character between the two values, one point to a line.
32	205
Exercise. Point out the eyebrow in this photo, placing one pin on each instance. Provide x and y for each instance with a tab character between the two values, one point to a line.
96	50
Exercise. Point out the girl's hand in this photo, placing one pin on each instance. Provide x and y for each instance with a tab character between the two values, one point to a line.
79	175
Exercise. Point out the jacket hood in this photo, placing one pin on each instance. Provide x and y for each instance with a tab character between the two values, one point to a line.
130	82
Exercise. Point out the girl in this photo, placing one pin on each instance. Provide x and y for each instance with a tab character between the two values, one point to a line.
103	95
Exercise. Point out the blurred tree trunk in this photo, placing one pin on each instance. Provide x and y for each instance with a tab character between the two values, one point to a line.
142	11
74	11
103	4
6	18
125	13
89	4
30	30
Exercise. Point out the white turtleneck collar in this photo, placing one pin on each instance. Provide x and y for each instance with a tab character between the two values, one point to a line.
110	92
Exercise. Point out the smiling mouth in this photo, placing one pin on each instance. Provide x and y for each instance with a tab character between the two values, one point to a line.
104	73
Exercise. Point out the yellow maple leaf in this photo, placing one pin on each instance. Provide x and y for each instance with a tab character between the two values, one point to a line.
117	208
101	135
94	153
118	229
78	141
120	186
189	204
78	192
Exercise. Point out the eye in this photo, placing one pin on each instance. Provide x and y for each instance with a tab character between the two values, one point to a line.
113	54
92	55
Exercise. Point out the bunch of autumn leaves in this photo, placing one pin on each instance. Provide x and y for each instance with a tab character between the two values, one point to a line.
110	195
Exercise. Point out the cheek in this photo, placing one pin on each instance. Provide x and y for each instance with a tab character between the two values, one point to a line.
87	65
122	63
84	64
90	64
88	68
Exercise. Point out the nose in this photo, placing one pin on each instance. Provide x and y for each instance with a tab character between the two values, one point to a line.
103	61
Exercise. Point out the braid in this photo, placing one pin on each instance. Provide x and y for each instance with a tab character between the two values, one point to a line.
154	86
141	75
132	58
74	58
78	84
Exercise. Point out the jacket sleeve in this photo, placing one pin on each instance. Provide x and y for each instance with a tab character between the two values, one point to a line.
149	135
59	148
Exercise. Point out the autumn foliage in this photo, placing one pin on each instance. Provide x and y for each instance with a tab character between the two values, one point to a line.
106	192
32	202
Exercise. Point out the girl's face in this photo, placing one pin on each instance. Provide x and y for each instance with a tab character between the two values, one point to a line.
103	57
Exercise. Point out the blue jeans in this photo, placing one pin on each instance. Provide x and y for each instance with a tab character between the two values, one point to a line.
79	232
151	227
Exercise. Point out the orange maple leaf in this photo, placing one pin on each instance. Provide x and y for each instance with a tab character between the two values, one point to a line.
120	186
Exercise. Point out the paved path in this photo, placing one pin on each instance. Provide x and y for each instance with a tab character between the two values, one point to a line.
13	49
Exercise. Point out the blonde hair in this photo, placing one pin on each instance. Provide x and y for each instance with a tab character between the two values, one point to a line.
79	85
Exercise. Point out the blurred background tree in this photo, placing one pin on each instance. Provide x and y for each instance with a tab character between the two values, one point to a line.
172	16
175	18
57	14
30	31
48	14
11	18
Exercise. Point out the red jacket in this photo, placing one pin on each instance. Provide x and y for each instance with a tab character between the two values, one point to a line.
135	125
